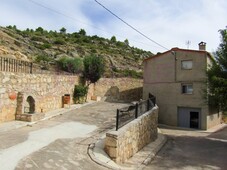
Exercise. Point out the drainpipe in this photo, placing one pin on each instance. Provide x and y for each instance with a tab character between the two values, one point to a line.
175	64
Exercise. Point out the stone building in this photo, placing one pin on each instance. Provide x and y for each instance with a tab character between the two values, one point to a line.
178	79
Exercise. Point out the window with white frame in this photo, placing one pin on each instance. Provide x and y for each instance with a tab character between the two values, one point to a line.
186	64
187	88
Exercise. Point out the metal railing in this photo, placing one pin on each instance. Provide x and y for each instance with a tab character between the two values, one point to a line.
128	114
20	66
13	65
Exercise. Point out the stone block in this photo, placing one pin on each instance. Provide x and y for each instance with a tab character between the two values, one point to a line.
2	90
96	98
111	151
111	142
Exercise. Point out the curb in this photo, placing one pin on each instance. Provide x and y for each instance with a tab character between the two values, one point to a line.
93	157
163	140
154	148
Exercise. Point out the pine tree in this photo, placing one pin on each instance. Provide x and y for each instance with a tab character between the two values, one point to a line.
217	75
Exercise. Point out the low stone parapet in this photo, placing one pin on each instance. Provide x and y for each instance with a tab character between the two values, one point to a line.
122	144
30	117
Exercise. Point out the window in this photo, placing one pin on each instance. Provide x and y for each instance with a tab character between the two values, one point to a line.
187	88
186	65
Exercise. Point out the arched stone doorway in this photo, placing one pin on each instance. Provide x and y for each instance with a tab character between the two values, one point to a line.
30	105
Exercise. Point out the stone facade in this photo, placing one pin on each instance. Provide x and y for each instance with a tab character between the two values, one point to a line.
48	90
122	144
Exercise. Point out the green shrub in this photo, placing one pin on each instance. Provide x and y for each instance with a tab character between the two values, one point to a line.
79	94
36	38
72	65
113	39
93	68
43	46
132	73
46	45
120	44
128	73
42	58
82	32
59	41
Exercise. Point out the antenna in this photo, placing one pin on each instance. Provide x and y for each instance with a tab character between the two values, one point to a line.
188	43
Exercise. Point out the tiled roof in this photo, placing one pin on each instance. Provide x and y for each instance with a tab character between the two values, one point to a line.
178	49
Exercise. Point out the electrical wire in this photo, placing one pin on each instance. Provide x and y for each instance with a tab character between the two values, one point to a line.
74	19
130	25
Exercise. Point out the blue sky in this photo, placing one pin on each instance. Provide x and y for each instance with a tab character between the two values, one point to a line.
169	22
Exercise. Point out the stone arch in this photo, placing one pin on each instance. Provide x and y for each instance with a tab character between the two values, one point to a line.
30	104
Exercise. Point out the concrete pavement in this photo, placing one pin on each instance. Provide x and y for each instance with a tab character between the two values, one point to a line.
6	126
74	140
189	149
60	142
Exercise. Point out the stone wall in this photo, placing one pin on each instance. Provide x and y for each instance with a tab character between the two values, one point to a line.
214	119
47	91
118	89
122	144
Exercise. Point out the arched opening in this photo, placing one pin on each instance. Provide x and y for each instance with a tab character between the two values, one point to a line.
30	105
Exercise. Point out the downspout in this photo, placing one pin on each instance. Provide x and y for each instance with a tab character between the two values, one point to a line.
175	64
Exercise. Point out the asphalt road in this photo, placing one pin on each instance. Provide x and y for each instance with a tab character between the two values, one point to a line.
192	150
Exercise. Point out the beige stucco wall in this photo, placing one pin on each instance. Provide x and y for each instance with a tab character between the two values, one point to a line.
198	71
167	88
169	98
159	69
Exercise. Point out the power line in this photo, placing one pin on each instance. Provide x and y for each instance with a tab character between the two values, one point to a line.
74	19
60	13
130	25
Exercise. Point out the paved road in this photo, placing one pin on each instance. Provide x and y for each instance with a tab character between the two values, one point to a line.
59	143
188	150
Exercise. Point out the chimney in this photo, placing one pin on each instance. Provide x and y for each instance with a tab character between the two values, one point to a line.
202	46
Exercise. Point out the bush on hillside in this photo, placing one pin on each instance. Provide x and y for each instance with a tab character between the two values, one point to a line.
59	41
93	68
71	65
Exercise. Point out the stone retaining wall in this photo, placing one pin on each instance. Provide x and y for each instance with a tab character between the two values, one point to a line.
122	144
118	89
47	91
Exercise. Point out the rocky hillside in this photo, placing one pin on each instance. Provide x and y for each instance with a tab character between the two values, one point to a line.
47	47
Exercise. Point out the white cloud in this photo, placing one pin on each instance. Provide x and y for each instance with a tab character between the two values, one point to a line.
170	23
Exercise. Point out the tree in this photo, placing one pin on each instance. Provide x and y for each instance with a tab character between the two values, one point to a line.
113	39
39	29
126	42
15	27
63	30
82	32
93	68
72	65
217	75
